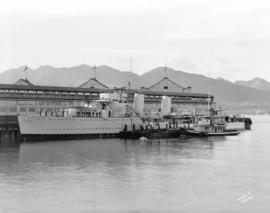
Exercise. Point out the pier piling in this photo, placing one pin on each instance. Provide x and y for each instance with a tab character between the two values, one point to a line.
9	133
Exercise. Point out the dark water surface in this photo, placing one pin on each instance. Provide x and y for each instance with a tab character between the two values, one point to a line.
223	174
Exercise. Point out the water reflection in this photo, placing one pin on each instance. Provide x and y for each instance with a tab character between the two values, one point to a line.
112	175
110	150
110	153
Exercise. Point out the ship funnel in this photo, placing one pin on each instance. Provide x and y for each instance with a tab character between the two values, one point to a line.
138	103
166	105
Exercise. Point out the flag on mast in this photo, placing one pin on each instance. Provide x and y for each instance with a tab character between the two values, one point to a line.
25	70
95	71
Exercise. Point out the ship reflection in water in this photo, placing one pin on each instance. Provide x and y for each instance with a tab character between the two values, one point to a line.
219	174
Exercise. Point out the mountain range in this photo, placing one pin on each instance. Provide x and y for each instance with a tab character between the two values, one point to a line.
251	92
257	83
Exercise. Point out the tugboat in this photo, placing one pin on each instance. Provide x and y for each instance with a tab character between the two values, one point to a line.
209	126
201	130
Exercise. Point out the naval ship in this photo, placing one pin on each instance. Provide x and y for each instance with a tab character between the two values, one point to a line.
105	117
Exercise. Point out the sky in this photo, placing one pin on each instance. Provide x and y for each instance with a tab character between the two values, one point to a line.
227	38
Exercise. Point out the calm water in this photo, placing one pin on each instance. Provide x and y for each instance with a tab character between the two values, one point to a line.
225	174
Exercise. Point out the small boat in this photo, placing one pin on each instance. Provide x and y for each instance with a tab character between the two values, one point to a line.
143	138
209	126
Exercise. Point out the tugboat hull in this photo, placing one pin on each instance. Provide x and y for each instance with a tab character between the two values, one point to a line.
193	133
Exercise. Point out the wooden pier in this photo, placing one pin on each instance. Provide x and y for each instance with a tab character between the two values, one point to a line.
9	133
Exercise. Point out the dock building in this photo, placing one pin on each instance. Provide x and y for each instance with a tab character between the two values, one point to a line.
24	97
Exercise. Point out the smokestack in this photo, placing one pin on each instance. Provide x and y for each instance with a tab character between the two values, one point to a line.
166	105
138	103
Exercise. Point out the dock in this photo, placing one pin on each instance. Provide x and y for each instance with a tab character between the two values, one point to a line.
9	133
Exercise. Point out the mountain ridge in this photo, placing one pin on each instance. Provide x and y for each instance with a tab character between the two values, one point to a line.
256	83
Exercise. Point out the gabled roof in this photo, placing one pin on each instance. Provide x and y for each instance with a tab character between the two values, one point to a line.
93	83
167	85
23	82
166	79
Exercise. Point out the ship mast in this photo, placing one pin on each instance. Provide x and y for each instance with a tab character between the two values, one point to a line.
95	71
209	90
25	70
166	71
